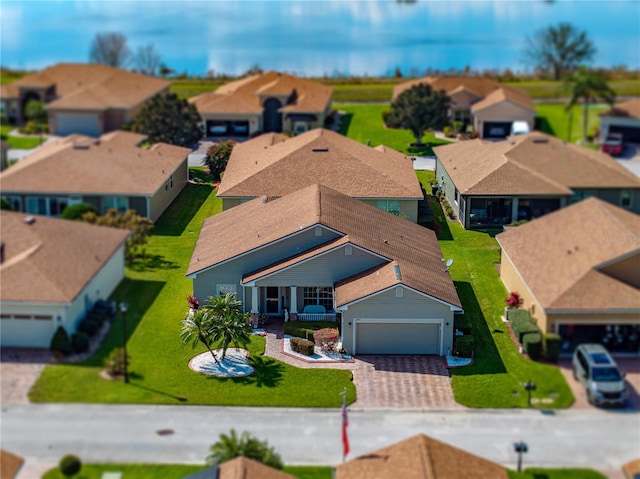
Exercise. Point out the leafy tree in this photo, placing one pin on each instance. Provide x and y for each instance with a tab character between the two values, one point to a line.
559	49
230	446
229	325
196	329
60	343
35	111
75	212
139	226
147	60
70	465
167	118
165	71
587	86
218	156
111	49
419	108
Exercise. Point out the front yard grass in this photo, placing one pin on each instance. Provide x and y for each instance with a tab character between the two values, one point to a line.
156	289
19	142
564	125
539	473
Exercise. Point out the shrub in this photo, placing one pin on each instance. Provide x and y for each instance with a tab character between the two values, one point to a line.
302	346
462	323
464	345
97	315
552	345
33	128
114	363
75	212
88	326
60	344
514	300
448	132
457	126
326	339
70	465
532	344
80	342
521	323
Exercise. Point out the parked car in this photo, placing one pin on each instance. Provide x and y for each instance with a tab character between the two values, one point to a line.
596	370
613	145
519	128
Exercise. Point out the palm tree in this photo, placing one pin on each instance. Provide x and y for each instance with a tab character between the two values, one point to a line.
228	325
588	85
231	445
196	328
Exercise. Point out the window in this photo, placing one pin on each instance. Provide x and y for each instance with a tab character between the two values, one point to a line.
625	198
15	202
392	206
224	289
457	196
121	203
319	295
36	206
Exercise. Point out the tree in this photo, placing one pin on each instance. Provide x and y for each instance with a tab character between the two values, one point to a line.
147	60
231	445
218	156
165	71
587	86
111	49
167	118
70	465
36	111
196	329
139	226
229	325
419	108
559	49
75	212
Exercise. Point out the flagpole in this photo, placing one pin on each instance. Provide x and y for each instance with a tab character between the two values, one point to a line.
345	423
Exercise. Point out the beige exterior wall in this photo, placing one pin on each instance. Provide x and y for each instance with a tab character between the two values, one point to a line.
503	112
626	270
114	119
228	203
166	194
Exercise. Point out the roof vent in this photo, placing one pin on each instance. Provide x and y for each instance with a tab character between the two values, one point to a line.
540	139
396	270
265	199
29	220
80	145
320	149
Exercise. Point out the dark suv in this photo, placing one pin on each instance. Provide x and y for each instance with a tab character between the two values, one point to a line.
596	370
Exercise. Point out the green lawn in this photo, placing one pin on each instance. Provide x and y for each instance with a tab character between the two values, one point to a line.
156	290
173	471
19	142
538	473
567	125
496	377
363	123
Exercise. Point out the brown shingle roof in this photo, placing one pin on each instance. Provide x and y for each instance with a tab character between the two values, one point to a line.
93	86
52	260
260	167
113	165
9	91
629	108
243	468
256	224
532	164
559	256
10	464
491	91
420	457
244	95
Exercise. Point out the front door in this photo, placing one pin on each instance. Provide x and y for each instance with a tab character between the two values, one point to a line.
272	300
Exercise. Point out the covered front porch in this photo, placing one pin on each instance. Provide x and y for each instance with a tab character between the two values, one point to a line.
295	303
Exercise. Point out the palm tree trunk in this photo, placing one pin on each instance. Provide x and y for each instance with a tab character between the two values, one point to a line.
203	341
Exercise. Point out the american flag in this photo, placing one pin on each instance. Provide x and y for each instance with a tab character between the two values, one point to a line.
345	424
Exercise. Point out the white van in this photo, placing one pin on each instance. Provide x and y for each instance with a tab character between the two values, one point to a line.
519	128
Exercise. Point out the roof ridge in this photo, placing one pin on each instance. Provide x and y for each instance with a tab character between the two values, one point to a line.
535	173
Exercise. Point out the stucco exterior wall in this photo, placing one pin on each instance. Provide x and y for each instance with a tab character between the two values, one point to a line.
627	269
166	193
228	203
615	195
388	305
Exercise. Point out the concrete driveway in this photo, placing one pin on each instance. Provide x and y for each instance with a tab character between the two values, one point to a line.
629	366
19	370
630	158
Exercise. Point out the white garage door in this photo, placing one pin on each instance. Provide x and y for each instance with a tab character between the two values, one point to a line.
77	123
397	338
23	330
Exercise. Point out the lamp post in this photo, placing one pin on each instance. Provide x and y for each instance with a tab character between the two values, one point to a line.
520	448
123	310
529	386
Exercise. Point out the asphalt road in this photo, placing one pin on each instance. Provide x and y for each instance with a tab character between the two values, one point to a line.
176	434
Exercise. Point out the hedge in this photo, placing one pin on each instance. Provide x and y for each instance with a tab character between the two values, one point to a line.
60	343
80	342
532	345
464	345
88	326
302	346
462	323
552	345
521	323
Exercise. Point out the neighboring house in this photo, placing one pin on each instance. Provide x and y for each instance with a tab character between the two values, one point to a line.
53	271
274	165
113	171
269	102
420	457
240	468
623	118
318	254
86	99
491	184
484	103
577	270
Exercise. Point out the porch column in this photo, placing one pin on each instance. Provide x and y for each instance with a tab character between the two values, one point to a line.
293	314
254	299
514	209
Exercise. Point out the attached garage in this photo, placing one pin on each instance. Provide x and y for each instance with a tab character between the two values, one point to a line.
496	129
398	336
77	123
21	330
631	134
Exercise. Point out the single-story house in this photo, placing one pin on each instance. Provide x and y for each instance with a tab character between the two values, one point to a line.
86	99
420	457
577	270
490	107
276	165
320	254
53	272
491	184
268	102
114	171
623	118
240	468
